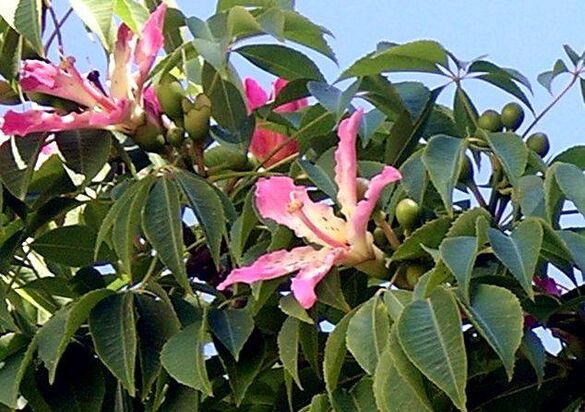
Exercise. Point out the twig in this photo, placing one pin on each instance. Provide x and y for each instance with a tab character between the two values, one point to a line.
57	30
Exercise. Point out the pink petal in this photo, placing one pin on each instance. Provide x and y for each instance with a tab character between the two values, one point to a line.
65	82
40	121
358	225
293	106
271	265
150	42
346	163
304	283
275	198
120	78
255	94
264	141
151	104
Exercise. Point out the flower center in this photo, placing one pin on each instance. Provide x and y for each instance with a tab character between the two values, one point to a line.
295	207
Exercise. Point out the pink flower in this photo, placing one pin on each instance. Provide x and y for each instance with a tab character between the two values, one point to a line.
334	241
264	141
124	108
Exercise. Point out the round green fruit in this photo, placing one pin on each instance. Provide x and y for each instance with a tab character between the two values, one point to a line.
512	116
220	158
539	143
407	213
380	238
490	120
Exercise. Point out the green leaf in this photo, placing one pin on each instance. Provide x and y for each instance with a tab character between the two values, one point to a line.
519	252
464	112
530	194
443	157
512	153
127	225
458	254
371	122
533	349
232	327
309	340
289	305
574	155
113	330
319	403
281	61
85	151
572	182
466	223
243	373
17	161
497	315
367	333
207	207
301	30
161	222
430	334
396	301
414	177
24	16
359	398
56	334
182	357
68	245
228	107
12	371
430	235
288	347
335	350
241	23
416	56
318	176
330	293
97	15
575	243
331	98
133	14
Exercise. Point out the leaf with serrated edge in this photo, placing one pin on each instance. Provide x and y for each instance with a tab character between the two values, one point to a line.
430	334
288	348
497	315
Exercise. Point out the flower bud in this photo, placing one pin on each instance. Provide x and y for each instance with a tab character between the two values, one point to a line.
149	138
196	117
175	136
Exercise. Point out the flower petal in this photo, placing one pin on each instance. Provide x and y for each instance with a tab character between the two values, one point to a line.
264	141
548	285
346	163
120	79
255	94
358	225
65	82
304	283
313	221
40	121
293	106
271	265
150	42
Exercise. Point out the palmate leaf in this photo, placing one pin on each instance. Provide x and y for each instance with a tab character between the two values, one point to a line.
232	327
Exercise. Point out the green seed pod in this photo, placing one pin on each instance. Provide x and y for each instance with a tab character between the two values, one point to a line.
407	213
149	138
380	238
196	117
413	274
170	94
